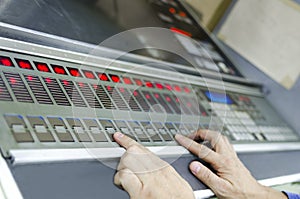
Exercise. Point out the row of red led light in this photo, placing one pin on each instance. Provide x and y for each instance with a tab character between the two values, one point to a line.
43	67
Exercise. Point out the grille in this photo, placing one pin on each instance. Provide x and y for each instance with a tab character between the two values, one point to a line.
18	87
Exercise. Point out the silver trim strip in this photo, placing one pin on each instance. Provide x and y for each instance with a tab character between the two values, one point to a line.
7	182
26	156
199	194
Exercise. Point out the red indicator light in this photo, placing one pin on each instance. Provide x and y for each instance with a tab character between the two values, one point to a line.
182	14
168	87
42	67
147	96
122	90
127	80
24	64
168	99
149	84
138	82
108	88
95	86
65	82
172	10
81	84
179	31
186	89
74	72
89	74
30	78
12	80
48	80
115	78
159	86
103	76
135	93
177	88
59	70
156	95
6	61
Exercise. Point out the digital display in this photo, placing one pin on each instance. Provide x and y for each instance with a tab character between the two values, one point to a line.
42	67
89	74
59	70
74	72
115	78
218	97
6	61
24	64
103	76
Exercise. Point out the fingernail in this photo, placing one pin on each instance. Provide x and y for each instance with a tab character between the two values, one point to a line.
119	135
195	167
178	137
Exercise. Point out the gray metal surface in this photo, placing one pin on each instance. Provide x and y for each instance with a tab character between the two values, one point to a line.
285	102
92	179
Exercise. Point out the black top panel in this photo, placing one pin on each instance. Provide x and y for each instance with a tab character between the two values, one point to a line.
94	21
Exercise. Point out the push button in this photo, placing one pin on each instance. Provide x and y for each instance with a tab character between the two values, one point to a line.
60	129
172	129
40	128
181	128
18	128
135	126
163	132
150	130
125	129
109	127
95	131
78	130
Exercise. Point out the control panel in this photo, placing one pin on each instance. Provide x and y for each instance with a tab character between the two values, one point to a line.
53	103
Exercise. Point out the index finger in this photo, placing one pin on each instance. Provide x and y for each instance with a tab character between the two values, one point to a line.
125	141
214	137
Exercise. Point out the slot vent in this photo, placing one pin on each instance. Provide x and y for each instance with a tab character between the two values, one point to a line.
103	97
89	95
4	94
114	94
58	95
38	89
73	93
18	87
139	98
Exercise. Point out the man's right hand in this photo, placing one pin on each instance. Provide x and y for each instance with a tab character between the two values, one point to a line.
232	179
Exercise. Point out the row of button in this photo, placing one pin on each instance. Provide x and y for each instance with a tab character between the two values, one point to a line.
260	133
75	72
57	129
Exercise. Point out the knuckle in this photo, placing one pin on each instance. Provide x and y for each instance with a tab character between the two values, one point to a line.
207	176
223	190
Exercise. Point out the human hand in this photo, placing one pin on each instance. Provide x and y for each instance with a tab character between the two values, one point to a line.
232	179
145	176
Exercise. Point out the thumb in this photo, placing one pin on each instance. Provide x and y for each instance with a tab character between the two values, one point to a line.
205	175
126	179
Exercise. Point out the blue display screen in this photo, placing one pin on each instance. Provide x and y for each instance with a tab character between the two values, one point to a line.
218	97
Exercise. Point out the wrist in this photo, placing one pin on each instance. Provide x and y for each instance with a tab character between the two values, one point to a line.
270	193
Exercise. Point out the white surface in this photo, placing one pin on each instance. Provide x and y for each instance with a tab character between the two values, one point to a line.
266	32
8	184
53	155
